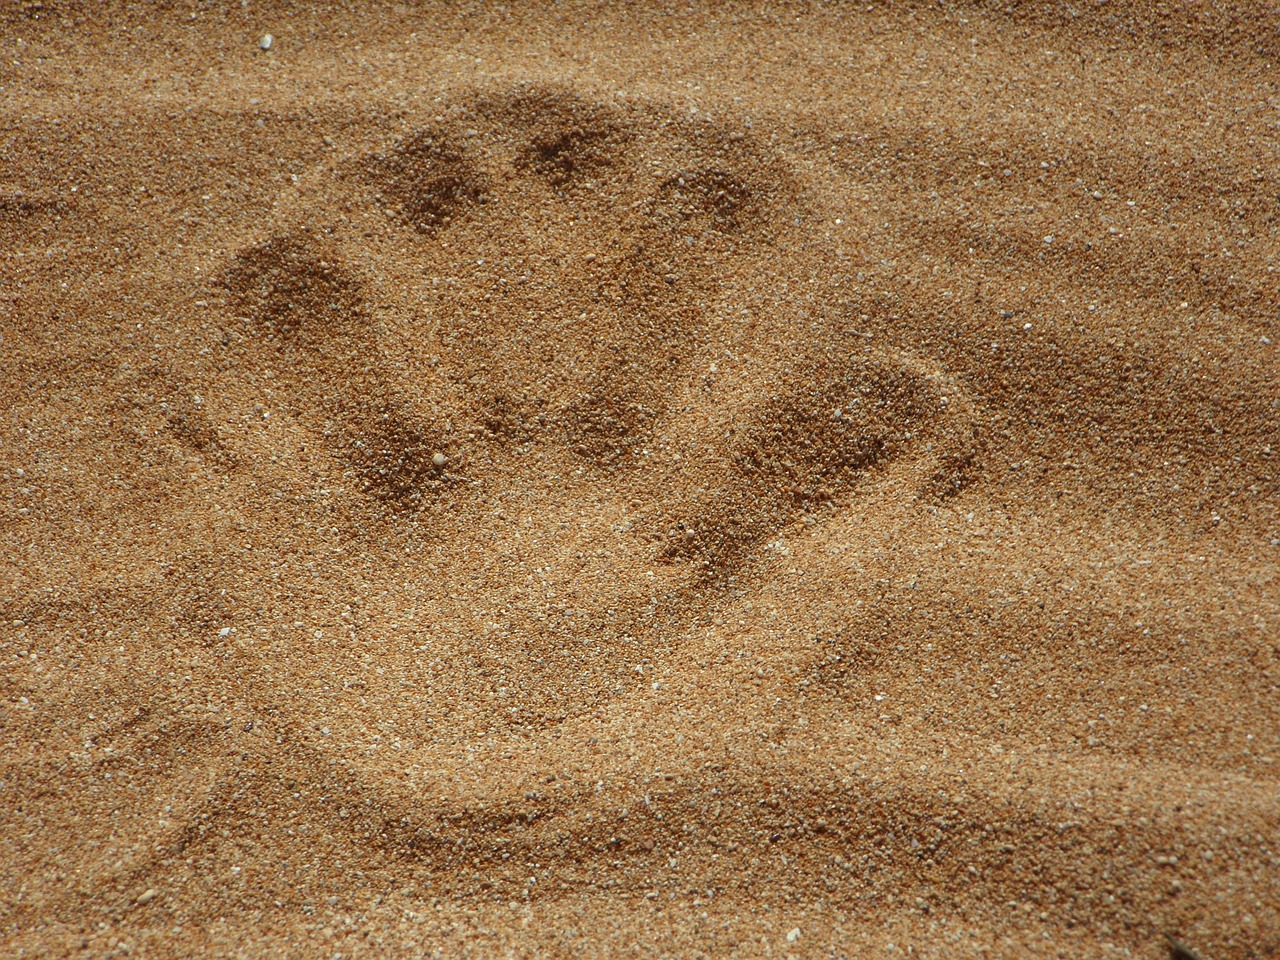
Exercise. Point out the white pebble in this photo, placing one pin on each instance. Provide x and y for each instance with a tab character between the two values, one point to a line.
439	459
794	935
265	42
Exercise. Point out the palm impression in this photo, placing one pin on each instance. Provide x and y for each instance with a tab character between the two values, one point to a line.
555	433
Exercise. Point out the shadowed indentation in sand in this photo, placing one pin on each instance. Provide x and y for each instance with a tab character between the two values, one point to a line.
291	291
570	140
21	213
665	309
562	156
957	469
806	447
198	433
429	179
298	295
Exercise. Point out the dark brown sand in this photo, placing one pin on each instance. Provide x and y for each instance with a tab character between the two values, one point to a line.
603	480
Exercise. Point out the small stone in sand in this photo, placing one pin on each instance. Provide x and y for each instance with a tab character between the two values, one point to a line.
265	42
439	459
794	935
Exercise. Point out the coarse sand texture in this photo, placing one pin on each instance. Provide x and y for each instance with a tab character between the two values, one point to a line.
606	479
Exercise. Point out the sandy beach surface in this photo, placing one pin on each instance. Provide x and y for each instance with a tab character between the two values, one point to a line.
601	479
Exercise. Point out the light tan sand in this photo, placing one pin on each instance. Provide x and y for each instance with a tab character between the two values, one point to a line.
574	480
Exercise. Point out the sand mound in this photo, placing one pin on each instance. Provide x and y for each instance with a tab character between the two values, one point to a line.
706	483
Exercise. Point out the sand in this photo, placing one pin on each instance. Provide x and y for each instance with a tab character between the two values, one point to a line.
607	480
